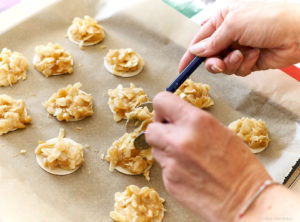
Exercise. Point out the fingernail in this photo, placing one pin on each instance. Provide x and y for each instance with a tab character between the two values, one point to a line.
216	68
197	48
235	57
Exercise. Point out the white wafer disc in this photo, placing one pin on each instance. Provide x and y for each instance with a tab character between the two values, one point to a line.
125	171
110	69
162	216
257	150
80	43
58	171
8	131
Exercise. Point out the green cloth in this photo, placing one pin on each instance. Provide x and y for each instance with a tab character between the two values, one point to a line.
186	7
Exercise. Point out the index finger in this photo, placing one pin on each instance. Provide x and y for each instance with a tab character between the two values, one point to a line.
169	107
205	31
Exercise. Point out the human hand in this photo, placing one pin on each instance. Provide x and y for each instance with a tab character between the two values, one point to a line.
206	167
247	36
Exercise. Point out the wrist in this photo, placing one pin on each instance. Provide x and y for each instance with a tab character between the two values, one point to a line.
246	189
249	178
261	208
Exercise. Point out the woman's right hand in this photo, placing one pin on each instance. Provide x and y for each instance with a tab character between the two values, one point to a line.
248	36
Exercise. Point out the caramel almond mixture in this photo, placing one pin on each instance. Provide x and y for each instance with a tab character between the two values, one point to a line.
13	67
124	100
60	153
52	59
86	30
138	205
253	132
122	153
13	114
142	117
70	104
195	93
123	60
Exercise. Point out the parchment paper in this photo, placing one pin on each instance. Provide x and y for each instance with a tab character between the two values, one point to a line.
159	34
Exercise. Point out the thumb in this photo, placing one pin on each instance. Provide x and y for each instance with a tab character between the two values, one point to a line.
221	39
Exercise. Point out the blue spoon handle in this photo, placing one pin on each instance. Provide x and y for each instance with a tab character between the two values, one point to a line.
185	73
139	141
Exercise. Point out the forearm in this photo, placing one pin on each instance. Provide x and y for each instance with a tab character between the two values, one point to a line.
276	203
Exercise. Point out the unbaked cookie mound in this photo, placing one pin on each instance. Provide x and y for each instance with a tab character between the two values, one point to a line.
253	132
52	59
85	32
125	100
13	67
123	157
70	104
123	62
60	155
13	114
138	205
195	93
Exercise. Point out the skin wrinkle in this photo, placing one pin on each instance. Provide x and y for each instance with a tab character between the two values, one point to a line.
247	181
210	174
275	33
195	184
233	201
183	145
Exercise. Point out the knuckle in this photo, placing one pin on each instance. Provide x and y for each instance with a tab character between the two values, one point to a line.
213	43
150	134
183	107
230	25
183	142
170	173
169	186
230	19
172	166
150	128
203	118
159	98
242	72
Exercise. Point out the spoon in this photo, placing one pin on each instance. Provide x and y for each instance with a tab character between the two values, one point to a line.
140	142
